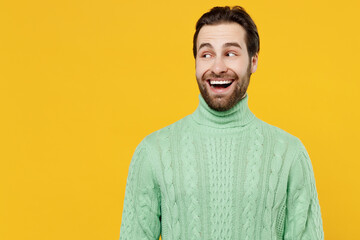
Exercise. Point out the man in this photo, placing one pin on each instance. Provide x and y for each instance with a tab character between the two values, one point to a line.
220	172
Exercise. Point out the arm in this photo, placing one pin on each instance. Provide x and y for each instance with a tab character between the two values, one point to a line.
303	216
141	212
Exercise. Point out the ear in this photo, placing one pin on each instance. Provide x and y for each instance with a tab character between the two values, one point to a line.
254	62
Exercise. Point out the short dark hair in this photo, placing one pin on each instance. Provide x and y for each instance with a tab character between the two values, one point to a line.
218	15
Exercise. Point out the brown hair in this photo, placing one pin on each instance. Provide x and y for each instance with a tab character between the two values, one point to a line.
226	14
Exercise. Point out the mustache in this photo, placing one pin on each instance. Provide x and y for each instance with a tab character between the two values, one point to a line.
226	76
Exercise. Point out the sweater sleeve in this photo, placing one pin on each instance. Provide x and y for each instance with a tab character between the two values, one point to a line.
303	216
141	212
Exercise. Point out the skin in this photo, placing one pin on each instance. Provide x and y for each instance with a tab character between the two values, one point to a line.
222	55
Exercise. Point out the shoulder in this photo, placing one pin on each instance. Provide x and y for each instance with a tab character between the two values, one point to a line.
163	135
158	144
290	147
281	140
280	134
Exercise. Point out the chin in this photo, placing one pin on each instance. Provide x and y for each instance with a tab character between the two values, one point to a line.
220	104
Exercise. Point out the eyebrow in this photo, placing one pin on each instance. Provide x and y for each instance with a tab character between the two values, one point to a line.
228	44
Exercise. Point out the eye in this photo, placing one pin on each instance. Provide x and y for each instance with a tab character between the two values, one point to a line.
231	54
206	55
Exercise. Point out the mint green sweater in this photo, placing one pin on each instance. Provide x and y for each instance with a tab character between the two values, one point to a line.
221	175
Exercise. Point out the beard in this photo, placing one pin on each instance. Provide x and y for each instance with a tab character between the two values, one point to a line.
224	103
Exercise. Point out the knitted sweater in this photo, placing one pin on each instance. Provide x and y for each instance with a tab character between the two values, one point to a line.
221	175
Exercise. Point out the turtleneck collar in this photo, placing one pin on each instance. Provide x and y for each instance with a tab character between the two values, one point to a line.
238	116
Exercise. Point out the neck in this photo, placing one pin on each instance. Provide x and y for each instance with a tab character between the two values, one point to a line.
238	116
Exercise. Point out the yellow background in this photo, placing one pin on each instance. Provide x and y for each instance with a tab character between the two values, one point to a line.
83	82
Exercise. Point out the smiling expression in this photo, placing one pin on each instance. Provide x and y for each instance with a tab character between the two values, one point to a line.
222	59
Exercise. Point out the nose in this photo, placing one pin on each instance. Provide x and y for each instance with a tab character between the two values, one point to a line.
219	66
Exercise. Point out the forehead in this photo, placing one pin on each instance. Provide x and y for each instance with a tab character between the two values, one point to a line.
224	32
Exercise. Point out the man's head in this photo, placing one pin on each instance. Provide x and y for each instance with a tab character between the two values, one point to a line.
226	46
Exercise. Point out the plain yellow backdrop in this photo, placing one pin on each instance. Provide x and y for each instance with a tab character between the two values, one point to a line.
83	82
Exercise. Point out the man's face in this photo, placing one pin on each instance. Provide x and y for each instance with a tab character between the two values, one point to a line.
222	59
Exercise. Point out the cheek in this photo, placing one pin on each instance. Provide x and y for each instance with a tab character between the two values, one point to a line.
201	68
199	71
239	67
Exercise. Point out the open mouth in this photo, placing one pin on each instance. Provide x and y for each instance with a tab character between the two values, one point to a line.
219	84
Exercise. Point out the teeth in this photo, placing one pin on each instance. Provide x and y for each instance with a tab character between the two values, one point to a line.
220	82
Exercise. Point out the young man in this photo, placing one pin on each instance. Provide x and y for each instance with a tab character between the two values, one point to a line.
222	173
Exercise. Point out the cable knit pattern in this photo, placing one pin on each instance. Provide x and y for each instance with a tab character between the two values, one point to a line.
221	175
275	167
171	204
145	198
141	202
129	206
280	220
191	183
252	180
314	204
303	207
